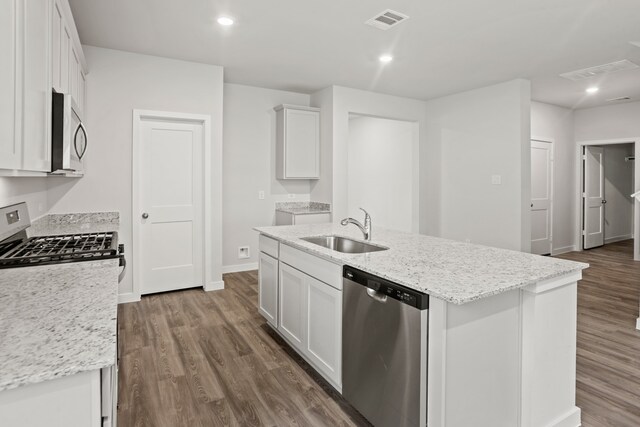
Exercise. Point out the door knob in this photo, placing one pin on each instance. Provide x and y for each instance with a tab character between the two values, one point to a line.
145	215
531	204
604	201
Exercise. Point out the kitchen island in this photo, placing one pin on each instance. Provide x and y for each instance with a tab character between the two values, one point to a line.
501	332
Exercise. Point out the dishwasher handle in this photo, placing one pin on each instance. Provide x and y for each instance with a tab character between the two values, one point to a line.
378	296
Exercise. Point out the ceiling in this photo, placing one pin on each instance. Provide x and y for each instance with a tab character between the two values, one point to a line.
445	47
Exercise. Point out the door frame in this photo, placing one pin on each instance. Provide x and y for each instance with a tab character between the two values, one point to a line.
207	249
579	191
551	179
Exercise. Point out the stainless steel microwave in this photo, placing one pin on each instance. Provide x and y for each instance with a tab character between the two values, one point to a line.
68	136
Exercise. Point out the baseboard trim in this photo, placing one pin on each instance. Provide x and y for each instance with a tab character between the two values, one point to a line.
563	250
570	419
128	297
239	267
214	286
618	238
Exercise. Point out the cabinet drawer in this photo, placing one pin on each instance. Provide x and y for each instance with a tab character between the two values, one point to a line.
319	268
269	246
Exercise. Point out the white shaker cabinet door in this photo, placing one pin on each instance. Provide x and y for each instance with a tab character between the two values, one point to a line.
36	109
293	306
297	142
324	340
10	146
268	288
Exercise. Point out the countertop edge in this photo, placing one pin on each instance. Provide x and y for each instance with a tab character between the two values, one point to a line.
455	301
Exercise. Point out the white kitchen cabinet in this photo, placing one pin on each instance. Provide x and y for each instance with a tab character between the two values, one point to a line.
324	331
74	72
293	305
70	401
36	103
297	142
41	51
268	288
10	140
309	304
68	69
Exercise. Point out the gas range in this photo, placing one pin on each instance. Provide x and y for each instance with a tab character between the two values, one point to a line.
18	250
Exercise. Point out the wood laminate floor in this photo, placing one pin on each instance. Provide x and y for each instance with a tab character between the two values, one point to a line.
608	362
194	358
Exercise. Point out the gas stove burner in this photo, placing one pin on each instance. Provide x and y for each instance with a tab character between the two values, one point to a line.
60	249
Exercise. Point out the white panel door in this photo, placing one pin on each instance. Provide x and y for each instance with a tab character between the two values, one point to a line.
324	332
541	170
293	305
268	288
170	193
593	197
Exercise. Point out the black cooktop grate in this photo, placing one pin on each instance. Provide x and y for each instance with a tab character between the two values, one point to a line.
61	248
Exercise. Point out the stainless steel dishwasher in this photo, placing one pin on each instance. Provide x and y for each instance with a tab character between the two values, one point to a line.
384	350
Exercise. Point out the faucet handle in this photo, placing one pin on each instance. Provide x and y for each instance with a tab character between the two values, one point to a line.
366	214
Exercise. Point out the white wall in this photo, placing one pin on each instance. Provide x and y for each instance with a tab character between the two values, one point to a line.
30	190
249	167
119	82
380	175
609	122
553	123
618	185
337	103
481	133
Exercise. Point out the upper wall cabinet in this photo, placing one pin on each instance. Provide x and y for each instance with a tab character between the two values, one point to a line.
68	67
39	46
297	142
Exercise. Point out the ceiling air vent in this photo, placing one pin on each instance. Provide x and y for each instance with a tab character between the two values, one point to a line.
387	19
620	98
599	70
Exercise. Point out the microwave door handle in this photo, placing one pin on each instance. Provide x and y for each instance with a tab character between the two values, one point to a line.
75	140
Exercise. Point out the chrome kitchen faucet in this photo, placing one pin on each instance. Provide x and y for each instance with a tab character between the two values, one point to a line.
366	228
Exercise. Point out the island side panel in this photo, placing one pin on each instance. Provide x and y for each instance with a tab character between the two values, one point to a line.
549	323
474	362
505	360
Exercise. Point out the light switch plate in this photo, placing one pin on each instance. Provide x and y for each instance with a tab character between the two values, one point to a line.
496	179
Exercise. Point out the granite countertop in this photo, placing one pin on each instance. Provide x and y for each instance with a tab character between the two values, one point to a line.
58	320
453	271
303	208
93	222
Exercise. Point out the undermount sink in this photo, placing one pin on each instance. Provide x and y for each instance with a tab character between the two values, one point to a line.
344	244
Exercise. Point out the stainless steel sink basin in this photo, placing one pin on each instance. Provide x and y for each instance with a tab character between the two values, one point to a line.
344	244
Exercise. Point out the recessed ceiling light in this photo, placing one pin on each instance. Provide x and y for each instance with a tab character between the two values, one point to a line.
385	58
225	21
592	89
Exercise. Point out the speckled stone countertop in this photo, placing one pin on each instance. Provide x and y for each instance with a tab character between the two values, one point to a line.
58	320
303	208
455	272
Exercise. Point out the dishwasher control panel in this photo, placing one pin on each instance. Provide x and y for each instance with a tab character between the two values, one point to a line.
384	287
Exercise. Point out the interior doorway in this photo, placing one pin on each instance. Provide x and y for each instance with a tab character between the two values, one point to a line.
608	177
382	171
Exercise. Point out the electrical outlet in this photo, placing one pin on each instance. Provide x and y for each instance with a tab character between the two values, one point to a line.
243	252
261	195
